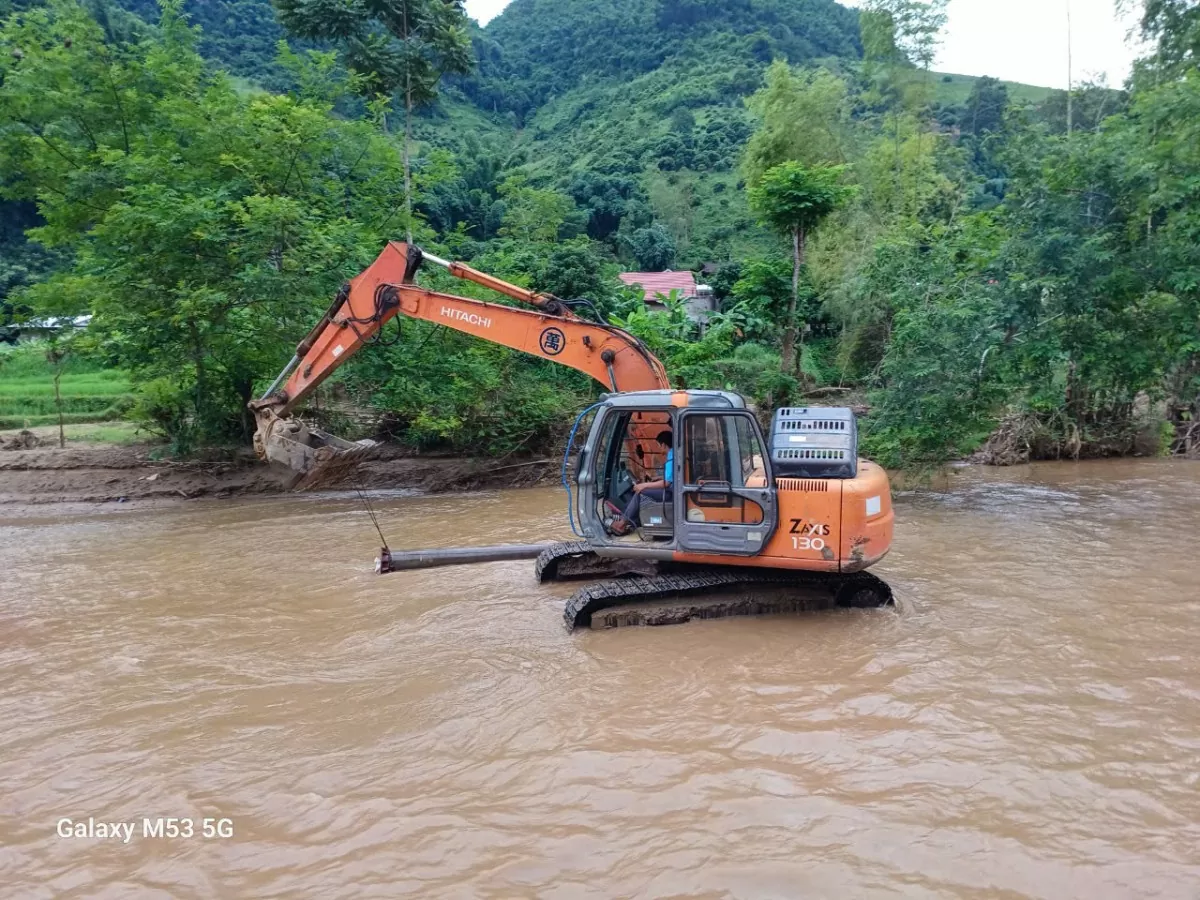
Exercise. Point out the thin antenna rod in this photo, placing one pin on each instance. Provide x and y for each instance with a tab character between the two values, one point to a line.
1070	76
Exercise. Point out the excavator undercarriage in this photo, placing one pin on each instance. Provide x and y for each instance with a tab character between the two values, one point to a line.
643	592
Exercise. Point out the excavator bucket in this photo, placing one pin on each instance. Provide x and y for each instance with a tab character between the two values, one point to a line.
317	458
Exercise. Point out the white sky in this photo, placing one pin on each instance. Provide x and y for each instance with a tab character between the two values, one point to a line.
1017	40
485	10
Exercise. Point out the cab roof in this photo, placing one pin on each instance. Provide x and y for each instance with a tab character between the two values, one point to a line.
672	399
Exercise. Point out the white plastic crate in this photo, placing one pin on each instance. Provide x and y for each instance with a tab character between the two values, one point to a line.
814	442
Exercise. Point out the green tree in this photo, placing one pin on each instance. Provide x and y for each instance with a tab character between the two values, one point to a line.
608	201
986	107
801	117
207	226
1174	27
683	121
900	41
793	200
573	270
760	297
653	248
403	46
903	31
534	215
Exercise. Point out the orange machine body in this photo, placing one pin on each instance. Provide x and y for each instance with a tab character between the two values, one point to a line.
825	524
728	505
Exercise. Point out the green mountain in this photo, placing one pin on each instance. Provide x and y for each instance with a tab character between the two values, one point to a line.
536	50
635	108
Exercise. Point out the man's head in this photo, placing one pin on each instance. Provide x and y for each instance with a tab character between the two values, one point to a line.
666	439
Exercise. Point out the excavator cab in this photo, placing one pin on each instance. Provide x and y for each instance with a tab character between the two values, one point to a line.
722	499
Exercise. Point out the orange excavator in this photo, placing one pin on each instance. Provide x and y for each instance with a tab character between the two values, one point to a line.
761	521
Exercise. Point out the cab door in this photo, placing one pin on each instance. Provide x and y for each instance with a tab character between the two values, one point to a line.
725	499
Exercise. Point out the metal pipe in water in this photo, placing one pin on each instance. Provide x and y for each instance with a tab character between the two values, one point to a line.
409	560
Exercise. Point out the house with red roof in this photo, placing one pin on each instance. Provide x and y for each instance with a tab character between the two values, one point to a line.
697	298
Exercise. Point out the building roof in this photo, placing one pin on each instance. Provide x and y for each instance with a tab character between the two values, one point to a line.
57	324
653	283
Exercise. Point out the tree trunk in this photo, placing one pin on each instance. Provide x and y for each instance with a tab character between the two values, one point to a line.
245	390
62	435
789	330
801	244
1070	77
201	377
408	111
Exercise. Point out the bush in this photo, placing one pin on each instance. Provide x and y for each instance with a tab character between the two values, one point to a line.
164	408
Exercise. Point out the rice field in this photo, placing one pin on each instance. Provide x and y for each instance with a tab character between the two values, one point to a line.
90	393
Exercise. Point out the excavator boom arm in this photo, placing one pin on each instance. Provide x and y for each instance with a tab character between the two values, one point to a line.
615	358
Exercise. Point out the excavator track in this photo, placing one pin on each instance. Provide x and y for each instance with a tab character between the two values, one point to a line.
667	599
576	560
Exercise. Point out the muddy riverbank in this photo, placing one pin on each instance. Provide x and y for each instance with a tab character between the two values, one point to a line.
38	472
118	474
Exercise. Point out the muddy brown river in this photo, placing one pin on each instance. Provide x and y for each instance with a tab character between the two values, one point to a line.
1026	725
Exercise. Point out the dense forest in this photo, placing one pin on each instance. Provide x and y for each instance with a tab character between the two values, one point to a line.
994	267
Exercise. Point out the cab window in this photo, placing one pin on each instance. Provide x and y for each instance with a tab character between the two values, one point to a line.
750	451
604	464
705	450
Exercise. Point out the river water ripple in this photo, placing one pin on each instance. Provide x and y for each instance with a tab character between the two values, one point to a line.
1028	725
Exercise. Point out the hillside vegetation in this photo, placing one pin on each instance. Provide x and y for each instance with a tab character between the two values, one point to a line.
996	268
539	49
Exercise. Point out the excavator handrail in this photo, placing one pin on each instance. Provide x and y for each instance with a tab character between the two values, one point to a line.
547	302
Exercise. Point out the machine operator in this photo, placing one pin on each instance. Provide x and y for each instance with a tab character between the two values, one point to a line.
658	491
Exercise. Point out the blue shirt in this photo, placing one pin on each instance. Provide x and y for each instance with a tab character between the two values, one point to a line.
669	468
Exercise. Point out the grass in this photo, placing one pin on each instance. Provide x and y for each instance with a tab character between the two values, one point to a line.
90	393
106	433
106	384
38	421
957	90
94	433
